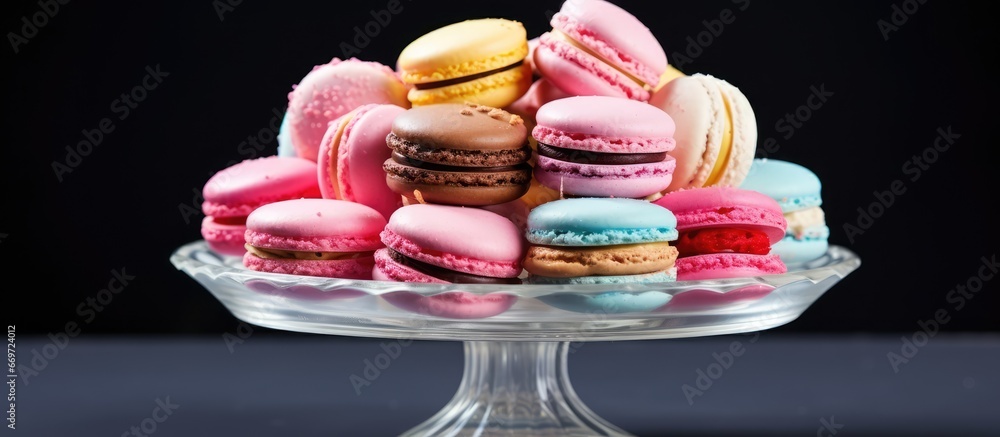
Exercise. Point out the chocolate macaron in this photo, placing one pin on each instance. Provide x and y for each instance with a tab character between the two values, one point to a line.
458	154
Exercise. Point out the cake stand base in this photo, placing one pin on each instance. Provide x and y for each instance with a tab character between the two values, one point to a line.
515	389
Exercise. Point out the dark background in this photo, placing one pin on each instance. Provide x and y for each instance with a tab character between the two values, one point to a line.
122	207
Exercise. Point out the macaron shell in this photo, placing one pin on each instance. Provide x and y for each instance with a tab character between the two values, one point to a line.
695	103
727	265
614	34
332	90
792	185
530	58
630	181
498	90
244	187
387	269
326	165
578	73
462	49
725	206
360	157
793	251
477	196
542	91
315	225
600	222
604	124
567	262
469	240
285	147
357	268
744	146
461	127
223	238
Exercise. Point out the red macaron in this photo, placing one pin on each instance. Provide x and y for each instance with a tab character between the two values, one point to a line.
725	232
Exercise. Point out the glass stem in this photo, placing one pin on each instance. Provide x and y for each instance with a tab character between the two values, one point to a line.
515	388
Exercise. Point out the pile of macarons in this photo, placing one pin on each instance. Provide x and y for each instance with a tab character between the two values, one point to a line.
577	157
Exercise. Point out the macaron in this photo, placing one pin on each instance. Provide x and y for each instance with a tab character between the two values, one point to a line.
351	156
797	190
598	146
458	154
314	237
542	91
479	61
598	48
448	244
234	192
601	241
719	137
725	232
285	147
668	75
332	90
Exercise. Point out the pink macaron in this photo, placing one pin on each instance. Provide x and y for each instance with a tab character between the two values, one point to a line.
351	156
603	147
233	193
314	237
725	232
542	91
332	90
450	244
598	48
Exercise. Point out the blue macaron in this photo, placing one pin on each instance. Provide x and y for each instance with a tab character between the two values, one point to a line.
600	222
585	241
798	190
285	147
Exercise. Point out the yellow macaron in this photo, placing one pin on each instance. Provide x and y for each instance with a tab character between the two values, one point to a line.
479	61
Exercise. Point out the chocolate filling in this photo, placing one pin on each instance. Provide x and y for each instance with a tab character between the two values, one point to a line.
458	80
410	162
447	275
598	158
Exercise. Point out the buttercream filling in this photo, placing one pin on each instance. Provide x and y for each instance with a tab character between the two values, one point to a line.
423	165
469	78
727	145
804	220
447	275
598	158
558	34
314	256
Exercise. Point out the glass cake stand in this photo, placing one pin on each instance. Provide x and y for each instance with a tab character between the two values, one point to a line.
517	337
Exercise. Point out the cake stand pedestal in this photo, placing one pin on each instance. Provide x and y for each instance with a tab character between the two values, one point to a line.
515	388
515	381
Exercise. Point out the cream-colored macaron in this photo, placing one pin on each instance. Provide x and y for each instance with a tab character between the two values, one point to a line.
716	131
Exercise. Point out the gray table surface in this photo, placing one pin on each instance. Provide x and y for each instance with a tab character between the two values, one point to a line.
287	384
